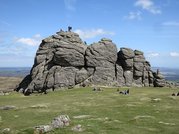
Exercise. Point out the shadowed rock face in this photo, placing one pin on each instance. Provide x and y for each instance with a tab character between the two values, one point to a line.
63	60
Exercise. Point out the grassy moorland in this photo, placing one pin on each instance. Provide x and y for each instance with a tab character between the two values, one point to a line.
9	83
143	111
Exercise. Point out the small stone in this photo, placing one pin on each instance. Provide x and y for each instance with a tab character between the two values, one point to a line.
106	39
77	128
6	130
8	107
42	129
60	121
166	123
156	100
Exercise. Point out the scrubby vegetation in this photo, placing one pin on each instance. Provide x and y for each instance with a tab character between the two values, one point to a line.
144	111
9	83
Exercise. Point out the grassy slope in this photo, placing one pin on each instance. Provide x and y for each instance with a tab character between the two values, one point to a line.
110	112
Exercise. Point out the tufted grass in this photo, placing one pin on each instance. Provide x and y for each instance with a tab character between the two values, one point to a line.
144	111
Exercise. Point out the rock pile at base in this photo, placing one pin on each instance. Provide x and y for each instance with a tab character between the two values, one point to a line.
63	60
58	122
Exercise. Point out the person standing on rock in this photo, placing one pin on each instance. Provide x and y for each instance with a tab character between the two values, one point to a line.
158	71
69	28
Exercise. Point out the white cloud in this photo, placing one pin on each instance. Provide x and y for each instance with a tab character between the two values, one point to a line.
148	5
70	4
28	41
87	34
34	41
133	16
170	23
174	54
152	54
37	36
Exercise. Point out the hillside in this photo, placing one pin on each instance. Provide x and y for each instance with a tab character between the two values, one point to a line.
8	84
170	74
143	111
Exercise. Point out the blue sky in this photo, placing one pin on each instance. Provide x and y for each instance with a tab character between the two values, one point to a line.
148	25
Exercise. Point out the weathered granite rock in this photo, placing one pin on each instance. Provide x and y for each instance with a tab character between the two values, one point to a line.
60	121
81	75
120	75
104	76
159	80
101	54
42	129
126	53
128	75
63	60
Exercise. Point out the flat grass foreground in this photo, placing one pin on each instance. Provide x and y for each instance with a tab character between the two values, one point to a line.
143	111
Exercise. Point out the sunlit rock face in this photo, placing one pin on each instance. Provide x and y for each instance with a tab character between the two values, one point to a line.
63	60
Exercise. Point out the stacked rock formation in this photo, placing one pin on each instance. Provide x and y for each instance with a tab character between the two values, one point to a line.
159	80
63	60
136	69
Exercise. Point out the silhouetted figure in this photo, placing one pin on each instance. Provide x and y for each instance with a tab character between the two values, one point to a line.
97	89
45	91
69	28
118	90
178	94
127	91
158	71
173	94
122	92
94	89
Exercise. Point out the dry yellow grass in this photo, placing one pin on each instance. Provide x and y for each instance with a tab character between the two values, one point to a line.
9	83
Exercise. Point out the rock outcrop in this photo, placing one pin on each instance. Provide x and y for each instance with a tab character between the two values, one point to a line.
63	60
159	80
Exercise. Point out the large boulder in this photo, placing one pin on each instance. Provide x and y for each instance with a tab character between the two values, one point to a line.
159	80
126	53
63	60
104	76
101	54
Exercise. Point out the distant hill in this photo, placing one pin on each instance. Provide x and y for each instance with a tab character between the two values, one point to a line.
171	74
14	71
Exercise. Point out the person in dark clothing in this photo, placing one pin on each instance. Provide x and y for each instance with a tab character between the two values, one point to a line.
69	28
173	94
178	94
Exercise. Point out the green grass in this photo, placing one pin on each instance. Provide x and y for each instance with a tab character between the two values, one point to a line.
144	111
